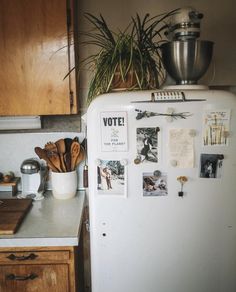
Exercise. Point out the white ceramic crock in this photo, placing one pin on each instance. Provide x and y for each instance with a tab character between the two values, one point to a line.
64	184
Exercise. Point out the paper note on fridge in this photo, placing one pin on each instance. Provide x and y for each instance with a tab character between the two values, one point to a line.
216	127
181	147
114	131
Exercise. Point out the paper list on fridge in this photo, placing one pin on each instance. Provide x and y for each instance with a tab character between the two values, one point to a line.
181	148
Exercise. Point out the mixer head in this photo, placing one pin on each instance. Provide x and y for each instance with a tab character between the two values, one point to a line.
184	24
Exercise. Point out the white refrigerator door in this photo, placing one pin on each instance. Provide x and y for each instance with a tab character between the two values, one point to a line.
163	243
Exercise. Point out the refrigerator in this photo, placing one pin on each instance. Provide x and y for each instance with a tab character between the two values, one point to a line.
162	190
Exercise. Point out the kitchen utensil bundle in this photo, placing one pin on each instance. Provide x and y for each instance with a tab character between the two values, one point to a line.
62	156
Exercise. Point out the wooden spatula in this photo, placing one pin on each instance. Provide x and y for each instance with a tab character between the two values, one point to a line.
74	152
80	157
51	147
61	147
42	154
55	159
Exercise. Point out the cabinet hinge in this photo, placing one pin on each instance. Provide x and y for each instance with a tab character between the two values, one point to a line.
71	98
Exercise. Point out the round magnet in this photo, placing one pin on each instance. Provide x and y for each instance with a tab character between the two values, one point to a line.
192	133
157	173
98	162
170	110
169	119
124	162
226	134
173	162
221	156
137	160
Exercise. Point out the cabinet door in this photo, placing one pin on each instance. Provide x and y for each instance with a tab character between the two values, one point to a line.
34	58
32	278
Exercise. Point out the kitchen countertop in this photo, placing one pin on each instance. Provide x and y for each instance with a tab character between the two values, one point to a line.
50	222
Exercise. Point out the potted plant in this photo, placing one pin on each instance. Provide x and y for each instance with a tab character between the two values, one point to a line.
128	59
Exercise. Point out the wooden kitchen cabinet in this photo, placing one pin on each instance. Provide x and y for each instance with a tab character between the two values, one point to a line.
36	53
53	269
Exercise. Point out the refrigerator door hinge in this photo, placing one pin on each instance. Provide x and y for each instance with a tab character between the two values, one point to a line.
87	226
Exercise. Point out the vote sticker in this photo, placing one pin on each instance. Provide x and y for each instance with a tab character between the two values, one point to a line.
114	137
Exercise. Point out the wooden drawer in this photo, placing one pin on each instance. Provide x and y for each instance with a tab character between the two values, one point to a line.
29	278
24	257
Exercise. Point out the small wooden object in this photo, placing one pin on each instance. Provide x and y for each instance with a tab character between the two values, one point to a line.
12	185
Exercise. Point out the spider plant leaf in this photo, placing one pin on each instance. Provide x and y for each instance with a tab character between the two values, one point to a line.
135	49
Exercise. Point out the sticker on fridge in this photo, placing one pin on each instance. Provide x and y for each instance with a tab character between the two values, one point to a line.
114	135
147	144
216	127
110	177
211	165
154	185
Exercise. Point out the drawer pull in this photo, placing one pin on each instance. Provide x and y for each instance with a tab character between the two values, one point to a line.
13	277
13	257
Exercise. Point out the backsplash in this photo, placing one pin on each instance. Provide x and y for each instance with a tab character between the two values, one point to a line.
14	148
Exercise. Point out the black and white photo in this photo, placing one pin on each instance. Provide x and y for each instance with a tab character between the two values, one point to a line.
154	185
211	165
147	144
110	177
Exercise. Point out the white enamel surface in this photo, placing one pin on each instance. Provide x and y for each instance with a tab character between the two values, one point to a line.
50	222
168	243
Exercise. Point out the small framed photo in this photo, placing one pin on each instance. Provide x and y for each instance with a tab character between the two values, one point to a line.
154	185
111	177
211	165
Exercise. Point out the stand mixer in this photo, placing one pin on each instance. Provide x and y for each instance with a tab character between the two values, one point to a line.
185	58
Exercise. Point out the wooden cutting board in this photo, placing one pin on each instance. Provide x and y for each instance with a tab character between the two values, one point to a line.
12	213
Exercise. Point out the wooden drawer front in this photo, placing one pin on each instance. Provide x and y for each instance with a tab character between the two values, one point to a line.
34	256
34	278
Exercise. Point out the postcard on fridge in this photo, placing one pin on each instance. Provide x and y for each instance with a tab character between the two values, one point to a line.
154	185
216	127
181	147
111	177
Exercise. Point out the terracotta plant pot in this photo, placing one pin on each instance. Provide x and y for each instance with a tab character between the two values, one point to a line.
119	84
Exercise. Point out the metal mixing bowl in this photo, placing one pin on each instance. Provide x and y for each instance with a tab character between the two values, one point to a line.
187	61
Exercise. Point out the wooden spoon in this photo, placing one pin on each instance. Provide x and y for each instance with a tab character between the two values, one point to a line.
51	147
74	152
68	142
42	154
80	157
61	147
67	156
55	159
